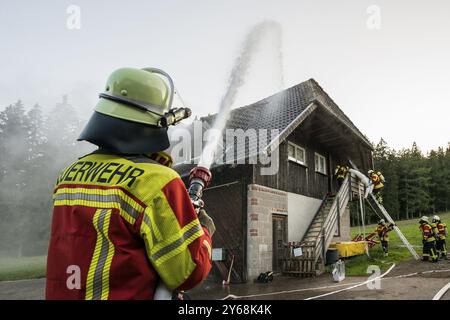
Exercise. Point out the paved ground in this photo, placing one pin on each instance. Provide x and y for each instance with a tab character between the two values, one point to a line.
396	285
22	290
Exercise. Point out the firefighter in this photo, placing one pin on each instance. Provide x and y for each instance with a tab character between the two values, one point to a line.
441	234
122	219
376	180
382	231
428	240
340	173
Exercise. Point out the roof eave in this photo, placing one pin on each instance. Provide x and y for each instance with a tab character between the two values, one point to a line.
356	132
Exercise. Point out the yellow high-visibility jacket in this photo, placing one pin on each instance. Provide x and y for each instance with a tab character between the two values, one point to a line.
123	225
377	180
427	232
441	229
383	231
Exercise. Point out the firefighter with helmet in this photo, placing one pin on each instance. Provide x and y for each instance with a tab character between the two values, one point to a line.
428	240
377	181
441	234
122	220
340	173
382	231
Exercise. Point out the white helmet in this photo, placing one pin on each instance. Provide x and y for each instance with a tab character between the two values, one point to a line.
370	172
436	219
382	221
424	219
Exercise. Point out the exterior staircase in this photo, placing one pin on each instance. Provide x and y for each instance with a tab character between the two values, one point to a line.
319	236
322	229
316	225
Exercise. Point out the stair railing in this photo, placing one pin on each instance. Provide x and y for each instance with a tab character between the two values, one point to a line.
330	224
319	211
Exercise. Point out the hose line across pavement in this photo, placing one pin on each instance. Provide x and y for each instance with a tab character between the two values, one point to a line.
441	292
349	286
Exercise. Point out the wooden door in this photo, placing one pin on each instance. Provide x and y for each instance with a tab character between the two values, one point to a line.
279	223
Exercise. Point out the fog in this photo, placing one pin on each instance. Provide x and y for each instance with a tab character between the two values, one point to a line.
34	147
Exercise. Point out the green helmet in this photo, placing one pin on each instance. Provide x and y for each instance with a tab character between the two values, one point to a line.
134	112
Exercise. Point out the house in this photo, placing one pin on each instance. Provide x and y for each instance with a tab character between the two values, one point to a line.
257	215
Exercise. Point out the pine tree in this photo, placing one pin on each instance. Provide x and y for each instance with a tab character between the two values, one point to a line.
440	187
385	161
62	127
14	126
39	186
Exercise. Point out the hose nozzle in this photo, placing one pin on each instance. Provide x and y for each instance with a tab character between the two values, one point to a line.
199	178
174	116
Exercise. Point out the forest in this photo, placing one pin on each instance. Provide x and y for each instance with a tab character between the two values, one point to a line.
417	184
35	146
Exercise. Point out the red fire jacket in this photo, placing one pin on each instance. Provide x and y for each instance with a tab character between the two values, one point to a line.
119	226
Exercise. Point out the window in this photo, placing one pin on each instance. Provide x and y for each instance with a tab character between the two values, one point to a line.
321	163
296	154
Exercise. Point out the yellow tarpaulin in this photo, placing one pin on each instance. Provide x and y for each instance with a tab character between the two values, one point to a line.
349	248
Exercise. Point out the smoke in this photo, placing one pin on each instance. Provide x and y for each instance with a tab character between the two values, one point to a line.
238	75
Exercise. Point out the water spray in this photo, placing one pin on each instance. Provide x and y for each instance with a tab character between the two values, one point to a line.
237	80
200	176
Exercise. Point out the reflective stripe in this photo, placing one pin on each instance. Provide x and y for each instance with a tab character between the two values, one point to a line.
98	279
208	246
187	237
94	261
100	198
97	283
147	223
146	219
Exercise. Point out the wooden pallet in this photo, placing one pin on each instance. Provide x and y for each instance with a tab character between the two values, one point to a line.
302	266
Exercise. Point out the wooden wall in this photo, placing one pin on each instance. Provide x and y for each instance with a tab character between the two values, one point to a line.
226	203
322	134
296	178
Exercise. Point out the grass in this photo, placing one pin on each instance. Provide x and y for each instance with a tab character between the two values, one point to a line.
22	268
357	266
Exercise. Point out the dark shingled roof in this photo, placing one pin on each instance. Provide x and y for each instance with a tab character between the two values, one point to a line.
281	109
276	111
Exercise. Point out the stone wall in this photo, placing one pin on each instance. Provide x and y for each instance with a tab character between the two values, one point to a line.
262	203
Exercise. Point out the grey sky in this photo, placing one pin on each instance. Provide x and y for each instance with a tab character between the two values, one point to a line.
393	82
